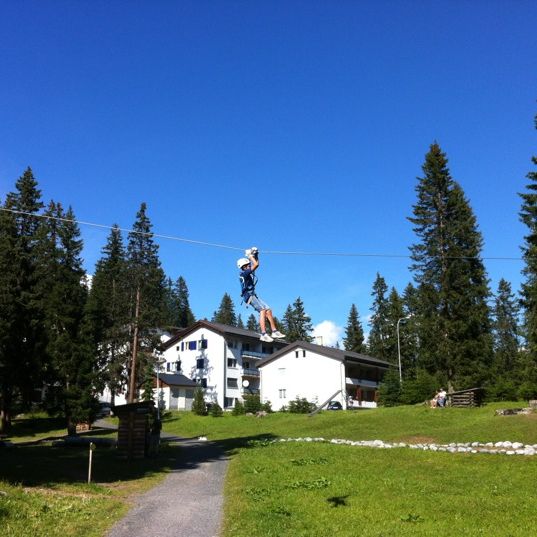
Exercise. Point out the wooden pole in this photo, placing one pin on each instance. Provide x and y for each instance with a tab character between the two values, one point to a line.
132	380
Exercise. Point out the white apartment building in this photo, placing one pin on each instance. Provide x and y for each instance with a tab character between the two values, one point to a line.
316	373
221	359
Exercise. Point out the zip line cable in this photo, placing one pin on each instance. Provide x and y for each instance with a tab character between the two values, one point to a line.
228	247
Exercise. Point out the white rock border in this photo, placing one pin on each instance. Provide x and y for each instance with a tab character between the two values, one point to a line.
496	448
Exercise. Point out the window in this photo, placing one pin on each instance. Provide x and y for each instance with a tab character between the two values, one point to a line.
231	362
267	350
177	348
168	366
228	402
232	383
232	344
182	345
282	393
178	365
202	343
192	345
246	365
245	346
202	382
297	354
200	363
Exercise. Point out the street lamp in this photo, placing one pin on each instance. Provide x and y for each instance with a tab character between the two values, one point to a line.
399	346
160	361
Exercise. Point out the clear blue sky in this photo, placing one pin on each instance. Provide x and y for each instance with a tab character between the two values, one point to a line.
289	125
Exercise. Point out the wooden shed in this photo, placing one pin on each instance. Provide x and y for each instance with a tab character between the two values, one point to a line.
134	428
466	398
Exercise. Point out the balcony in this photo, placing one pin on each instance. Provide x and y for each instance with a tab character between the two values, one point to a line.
249	372
253	354
361	382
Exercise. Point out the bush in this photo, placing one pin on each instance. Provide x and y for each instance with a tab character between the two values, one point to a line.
390	389
252	403
417	390
527	391
301	406
198	406
238	409
267	407
216	411
503	390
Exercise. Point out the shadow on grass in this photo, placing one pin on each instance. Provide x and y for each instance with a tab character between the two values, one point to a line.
44	465
32	427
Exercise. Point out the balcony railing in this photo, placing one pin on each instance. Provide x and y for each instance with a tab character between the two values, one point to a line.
249	372
253	354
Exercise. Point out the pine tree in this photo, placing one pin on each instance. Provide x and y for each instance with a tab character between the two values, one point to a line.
354	333
240	322
379	332
455	336
225	314
528	216
297	324
146	290
252	323
108	314
63	297
21	333
185	316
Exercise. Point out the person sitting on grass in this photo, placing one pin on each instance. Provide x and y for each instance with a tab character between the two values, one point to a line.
248	265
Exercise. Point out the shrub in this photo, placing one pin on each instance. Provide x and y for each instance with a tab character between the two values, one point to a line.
198	405
267	407
238	409
417	390
252	403
503	390
301	406
390	389
527	390
216	411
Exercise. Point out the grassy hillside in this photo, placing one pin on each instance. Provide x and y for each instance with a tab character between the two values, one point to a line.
406	424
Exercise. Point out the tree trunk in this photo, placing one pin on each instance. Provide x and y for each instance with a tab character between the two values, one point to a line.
132	380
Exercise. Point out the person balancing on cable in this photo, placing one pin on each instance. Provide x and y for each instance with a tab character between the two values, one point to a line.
248	265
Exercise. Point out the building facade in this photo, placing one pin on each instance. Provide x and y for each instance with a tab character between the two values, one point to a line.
219	358
320	374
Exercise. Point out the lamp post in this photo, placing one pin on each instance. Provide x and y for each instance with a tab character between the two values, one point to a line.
399	347
160	361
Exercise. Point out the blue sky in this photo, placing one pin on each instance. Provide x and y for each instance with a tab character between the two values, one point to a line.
297	126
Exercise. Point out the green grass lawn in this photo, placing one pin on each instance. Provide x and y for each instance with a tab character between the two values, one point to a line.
43	489
312	489
294	489
406	424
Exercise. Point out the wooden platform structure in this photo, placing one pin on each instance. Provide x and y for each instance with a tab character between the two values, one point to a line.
466	398
133	435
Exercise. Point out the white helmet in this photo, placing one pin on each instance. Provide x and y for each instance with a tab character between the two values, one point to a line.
242	261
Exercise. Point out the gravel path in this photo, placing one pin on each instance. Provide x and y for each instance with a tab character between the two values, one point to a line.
187	503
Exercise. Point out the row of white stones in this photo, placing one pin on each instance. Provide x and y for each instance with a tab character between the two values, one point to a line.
503	448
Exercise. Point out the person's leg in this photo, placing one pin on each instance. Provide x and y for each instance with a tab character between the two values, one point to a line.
262	323
270	320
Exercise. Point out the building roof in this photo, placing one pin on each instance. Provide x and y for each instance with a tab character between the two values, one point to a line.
176	379
222	329
330	352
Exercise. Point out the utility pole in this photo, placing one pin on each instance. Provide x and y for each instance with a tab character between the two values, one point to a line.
132	380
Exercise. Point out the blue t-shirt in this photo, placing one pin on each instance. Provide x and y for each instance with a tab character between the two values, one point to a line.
248	281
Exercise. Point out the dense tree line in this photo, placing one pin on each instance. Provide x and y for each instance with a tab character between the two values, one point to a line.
63	338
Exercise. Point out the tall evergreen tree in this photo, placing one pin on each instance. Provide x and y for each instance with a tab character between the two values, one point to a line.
505	330
185	317
252	323
146	290
455	334
296	323
21	332
108	313
528	216
379	323
354	332
225	313
394	314
63	292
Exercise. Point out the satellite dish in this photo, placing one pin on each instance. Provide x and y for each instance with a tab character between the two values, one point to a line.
245	383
